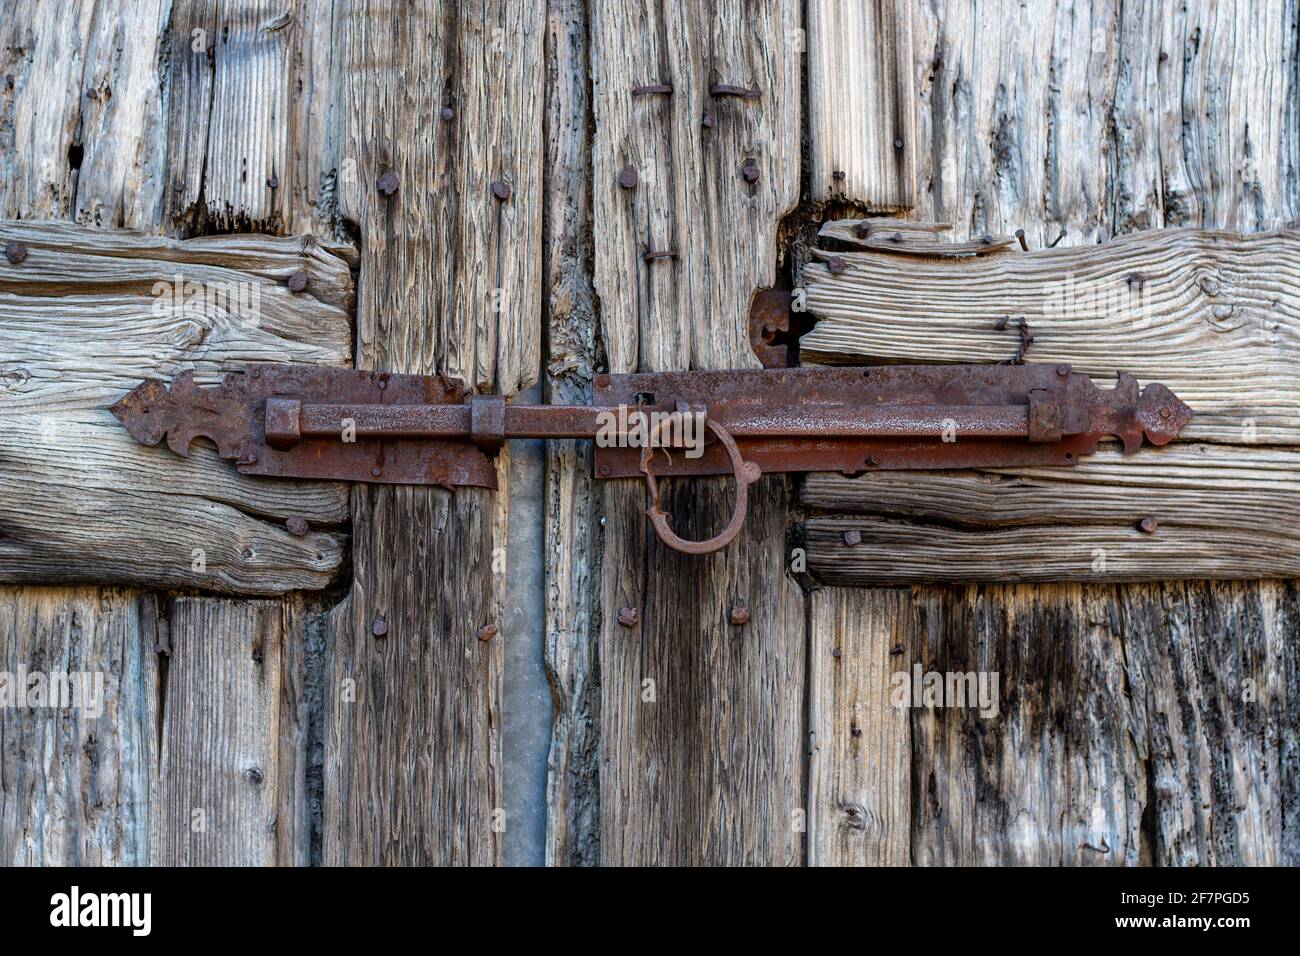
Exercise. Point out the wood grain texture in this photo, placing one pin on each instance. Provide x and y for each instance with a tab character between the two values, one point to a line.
861	104
692	199
255	119
711	769
572	524
702	720
859	784
84	319
450	282
1201	311
220	786
1147	724
75	782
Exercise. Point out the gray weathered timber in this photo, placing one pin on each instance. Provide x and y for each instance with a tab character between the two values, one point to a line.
861	104
859	780
83	319
75	782
1124	736
1214	315
449	282
700	720
572	542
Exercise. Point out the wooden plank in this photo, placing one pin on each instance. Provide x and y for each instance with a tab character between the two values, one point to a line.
413	766
708	767
254	126
859	803
573	538
84	319
1201	311
862	104
692	198
1222	512
1146	724
1013	102
220	788
75	780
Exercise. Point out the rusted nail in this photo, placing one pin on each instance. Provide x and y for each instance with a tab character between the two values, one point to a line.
487	632
651	254
1148	525
863	229
387	182
627	616
1165	413
15	252
447	114
604	471
501	189
1062	370
740	614
627	178
380	627
298	281
650	89
1020	234
731	89
836	265
750	170
898	142
602	380
1001	323
708	119
296	526
274	181
853	538
836	652
376	471
1052	244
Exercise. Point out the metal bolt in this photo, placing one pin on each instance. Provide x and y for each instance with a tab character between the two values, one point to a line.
740	614
15	252
501	189
447	114
376	471
627	178
836	265
380	627
1062	370
1148	525
627	616
487	632
296	526
750	170
298	281
387	182
852	538
274	181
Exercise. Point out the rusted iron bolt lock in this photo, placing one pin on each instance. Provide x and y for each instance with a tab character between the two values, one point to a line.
304	421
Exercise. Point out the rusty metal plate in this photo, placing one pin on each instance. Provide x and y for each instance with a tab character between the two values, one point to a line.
233	416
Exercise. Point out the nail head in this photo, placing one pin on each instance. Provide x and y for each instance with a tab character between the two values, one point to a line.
15	252
487	632
627	616
298	281
852	538
380	627
387	182
296	526
501	189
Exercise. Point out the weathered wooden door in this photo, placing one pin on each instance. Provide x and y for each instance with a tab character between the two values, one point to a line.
519	193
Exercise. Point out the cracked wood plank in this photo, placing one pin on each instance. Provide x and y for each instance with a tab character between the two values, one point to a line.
862	104
75	782
449	282
88	315
700	719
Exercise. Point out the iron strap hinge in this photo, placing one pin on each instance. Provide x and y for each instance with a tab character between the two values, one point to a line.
303	421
